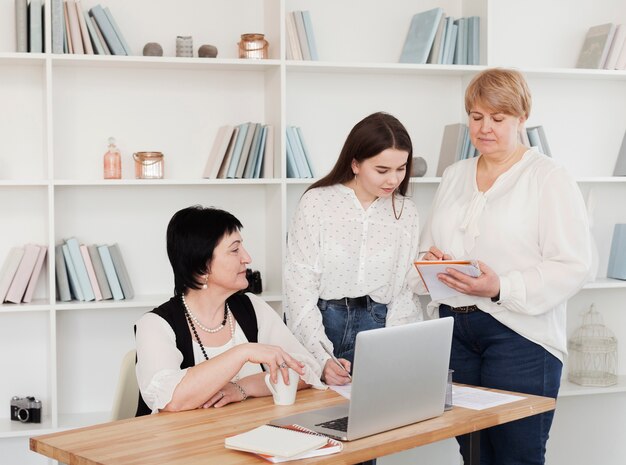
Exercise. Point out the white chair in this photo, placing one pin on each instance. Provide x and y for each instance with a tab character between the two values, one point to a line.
127	392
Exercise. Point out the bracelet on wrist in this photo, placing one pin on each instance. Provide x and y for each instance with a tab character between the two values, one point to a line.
244	396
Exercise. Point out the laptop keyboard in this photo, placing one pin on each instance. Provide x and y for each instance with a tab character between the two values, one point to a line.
340	424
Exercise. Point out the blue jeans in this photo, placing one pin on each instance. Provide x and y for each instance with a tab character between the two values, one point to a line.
487	353
344	318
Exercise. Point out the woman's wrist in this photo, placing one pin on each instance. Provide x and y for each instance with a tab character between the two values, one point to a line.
241	390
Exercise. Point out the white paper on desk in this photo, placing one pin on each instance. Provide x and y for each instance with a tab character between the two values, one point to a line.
344	390
428	271
478	399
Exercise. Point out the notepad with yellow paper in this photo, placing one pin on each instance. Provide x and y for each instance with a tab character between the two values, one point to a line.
428	271
281	444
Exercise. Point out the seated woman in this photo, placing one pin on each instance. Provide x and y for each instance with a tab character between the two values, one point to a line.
204	346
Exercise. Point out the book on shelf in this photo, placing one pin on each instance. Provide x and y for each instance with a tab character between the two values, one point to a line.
84	32
91	273
460	51
218	151
473	51
616	47
310	34
544	141
236	155
253	156
60	274
246	148
75	290
620	163
420	37
434	57
302	167
621	59
454	31
452	145
93	38
109	270
106	28
117	30
258	164
302	38
100	37
67	40
34	277
305	151
274	441
121	272
221	174
35	26
596	46
57	25
617	258
533	137
292	168
22	274
75	32
101	276
9	268
447	40
21	25
267	169
80	268
293	44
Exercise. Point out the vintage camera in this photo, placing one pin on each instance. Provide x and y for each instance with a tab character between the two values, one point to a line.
26	409
255	285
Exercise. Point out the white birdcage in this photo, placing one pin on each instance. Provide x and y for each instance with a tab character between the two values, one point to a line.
593	353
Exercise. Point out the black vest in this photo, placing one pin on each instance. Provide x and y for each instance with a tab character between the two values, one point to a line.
173	312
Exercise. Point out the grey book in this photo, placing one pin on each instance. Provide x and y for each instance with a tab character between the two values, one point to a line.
21	25
75	289
451	146
110	37
98	268
617	259
117	30
253	129
120	270
620	164
596	46
419	39
248	172
58	24
35	32
109	269
80	268
60	275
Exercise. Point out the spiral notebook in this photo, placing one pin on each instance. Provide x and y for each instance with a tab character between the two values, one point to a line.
282	444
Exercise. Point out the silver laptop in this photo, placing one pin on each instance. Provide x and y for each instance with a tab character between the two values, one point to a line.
399	377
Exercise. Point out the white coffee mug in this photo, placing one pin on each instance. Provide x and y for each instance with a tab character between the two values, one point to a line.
283	394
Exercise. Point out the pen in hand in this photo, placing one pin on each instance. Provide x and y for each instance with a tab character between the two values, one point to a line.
334	359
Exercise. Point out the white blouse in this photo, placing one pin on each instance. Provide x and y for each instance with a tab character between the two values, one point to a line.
531	228
158	359
337	249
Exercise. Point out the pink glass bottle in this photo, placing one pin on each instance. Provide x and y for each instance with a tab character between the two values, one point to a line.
112	161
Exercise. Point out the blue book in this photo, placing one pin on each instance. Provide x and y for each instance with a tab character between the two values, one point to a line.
307	156
234	161
60	275
261	155
248	172
421	35
35	25
308	27
118	32
447	40
441	51
617	259
109	270
57	19
81	269
292	168
93	35
473	52
110	37
121	272
460	51
75	288
453	34
298	153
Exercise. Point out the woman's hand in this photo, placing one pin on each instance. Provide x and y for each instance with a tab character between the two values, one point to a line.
274	357
435	254
335	376
485	285
253	386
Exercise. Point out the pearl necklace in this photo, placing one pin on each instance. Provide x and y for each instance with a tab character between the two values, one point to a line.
206	329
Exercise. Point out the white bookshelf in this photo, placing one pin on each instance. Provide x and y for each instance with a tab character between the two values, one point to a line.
62	108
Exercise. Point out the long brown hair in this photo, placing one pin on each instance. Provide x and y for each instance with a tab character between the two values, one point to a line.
370	136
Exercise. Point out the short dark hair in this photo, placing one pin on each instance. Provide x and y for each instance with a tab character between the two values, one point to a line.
192	235
369	137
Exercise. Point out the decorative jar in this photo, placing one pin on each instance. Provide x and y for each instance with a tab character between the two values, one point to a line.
253	46
148	165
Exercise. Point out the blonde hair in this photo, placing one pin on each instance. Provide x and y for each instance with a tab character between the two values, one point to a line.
501	90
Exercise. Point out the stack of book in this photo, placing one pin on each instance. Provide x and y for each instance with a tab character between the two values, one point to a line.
300	38
20	273
298	158
78	32
456	144
604	47
245	151
436	38
29	26
94	272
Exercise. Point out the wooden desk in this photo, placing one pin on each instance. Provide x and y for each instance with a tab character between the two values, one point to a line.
197	436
